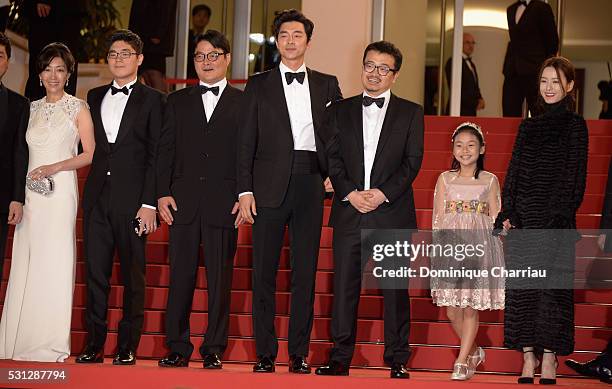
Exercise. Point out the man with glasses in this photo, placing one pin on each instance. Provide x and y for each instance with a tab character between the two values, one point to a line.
197	198
375	153
120	196
282	167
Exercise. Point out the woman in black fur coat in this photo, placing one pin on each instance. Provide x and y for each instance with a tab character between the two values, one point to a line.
542	191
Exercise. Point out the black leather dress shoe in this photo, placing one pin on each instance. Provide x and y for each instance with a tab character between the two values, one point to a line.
91	355
173	360
212	361
299	365
264	365
593	368
124	357
333	368
398	370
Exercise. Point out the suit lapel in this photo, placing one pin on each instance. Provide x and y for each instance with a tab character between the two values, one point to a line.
132	108
276	95
317	97
4	108
222	103
357	117
197	105
96	113
386	129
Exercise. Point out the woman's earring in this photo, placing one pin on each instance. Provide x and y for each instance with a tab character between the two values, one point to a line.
67	82
40	81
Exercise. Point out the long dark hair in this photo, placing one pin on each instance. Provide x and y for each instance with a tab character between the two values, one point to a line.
563	66
455	165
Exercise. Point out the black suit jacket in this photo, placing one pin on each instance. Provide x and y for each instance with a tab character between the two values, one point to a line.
132	160
397	162
14	115
470	91
266	141
197	159
532	40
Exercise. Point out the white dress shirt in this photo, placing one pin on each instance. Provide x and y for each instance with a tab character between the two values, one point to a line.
469	64
519	11
300	113
112	110
373	118
209	99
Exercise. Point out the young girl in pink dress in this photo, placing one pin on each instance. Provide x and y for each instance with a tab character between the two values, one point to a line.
466	202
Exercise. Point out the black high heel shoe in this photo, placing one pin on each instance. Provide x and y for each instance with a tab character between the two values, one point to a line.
550	381
529	380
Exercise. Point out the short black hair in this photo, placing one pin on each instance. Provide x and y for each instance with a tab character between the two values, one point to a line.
385	48
4	41
216	39
129	37
292	15
55	50
199	8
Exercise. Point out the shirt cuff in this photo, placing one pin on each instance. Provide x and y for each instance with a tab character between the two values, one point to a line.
346	198
148	206
244	193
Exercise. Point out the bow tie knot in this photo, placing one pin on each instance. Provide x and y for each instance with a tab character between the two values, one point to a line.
123	90
367	101
299	76
213	89
523	2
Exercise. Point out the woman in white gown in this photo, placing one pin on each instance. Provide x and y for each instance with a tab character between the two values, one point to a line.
37	308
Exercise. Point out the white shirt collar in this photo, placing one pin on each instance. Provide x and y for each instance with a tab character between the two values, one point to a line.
284	68
221	84
386	94
128	85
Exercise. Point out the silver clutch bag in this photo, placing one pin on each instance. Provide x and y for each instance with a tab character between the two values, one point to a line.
44	186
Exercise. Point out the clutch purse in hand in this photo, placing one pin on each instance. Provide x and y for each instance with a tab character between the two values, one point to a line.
44	186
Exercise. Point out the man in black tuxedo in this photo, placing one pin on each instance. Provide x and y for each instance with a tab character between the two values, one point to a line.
471	99
282	166
533	38
120	190
375	153
51	21
14	114
198	199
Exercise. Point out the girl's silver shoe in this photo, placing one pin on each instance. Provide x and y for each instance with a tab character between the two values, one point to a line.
461	372
477	358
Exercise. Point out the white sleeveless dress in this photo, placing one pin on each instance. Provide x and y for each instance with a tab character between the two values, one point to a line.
37	308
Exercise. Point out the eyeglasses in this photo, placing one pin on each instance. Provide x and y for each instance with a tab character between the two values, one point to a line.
383	70
122	55
212	56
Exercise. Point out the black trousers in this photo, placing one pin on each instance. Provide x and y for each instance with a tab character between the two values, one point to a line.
42	32
302	210
219	249
106	230
347	287
516	89
3	234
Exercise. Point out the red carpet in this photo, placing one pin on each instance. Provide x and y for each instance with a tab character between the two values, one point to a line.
434	345
146	374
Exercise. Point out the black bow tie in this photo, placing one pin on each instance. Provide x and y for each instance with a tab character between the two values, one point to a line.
125	90
213	89
299	76
524	2
367	101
